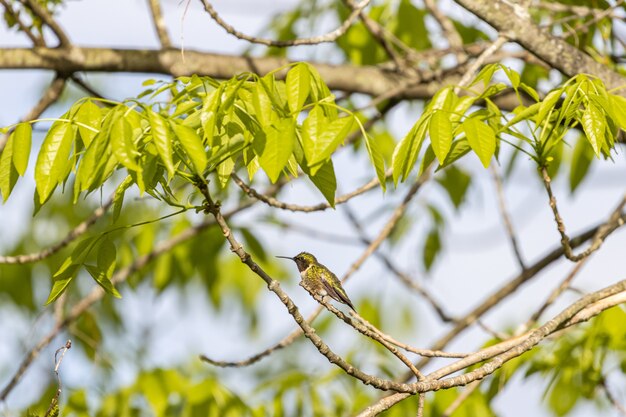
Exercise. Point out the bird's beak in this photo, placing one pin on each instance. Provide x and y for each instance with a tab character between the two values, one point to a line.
285	257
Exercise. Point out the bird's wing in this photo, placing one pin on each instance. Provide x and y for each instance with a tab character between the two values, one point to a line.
335	291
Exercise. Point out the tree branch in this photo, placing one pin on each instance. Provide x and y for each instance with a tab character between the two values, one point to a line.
41	12
159	23
328	37
616	220
513	20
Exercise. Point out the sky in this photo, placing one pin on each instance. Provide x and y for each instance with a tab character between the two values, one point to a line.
477	257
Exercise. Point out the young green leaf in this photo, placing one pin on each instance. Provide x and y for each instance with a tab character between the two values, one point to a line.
53	158
102	280
377	160
298	86
481	139
22	137
326	182
122	144
432	247
192	144
328	138
406	152
278	146
88	114
60	281
8	173
162	140
440	130
581	161
594	123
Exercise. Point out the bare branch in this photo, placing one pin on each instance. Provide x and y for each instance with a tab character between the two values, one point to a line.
382	236
35	39
506	218
69	238
469	74
274	286
404	278
159	23
328	37
97	293
41	12
615	221
273	202
449	31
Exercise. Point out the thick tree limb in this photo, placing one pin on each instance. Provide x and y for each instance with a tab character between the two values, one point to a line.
513	20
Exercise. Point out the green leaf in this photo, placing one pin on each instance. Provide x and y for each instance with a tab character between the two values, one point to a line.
432	247
53	158
192	144
118	197
106	257
162	140
8	173
326	182
458	149
122	144
581	161
278	146
440	130
254	245
105	282
377	160
455	182
618	103
60	282
481	139
327	139
406	152
88	114
22	137
547	104
594	123
298	86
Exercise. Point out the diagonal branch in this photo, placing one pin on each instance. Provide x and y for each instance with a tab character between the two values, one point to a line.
328	37
615	221
41	12
71	236
37	40
375	244
159	23
274	286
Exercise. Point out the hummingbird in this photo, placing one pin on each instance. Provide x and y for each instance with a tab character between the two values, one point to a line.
316	278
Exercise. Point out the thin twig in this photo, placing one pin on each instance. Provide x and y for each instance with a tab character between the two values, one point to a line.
615	221
273	202
69	238
609	395
422	352
447	26
274	286
42	13
458	401
469	74
584	28
97	293
506	218
328	37
368	330
421	402
49	97
294	335
159	23
406	280
503	352
54	404
37	40
564	285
